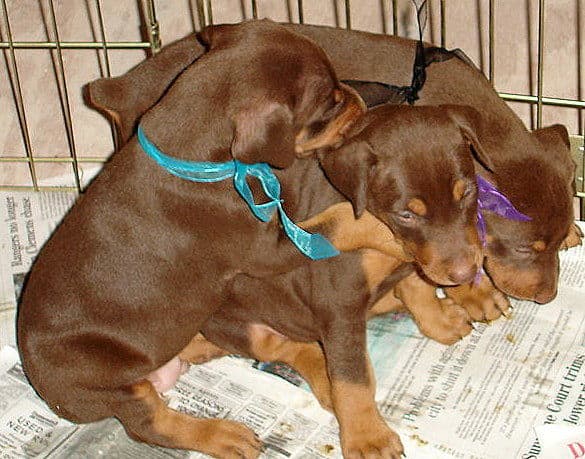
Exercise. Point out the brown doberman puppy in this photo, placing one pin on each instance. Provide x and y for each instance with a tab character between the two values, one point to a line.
380	168
533	169
145	257
142	244
367	197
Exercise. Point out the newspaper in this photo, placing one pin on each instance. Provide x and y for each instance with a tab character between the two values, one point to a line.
514	388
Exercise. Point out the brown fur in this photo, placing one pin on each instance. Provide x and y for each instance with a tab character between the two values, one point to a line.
337	321
107	299
517	155
141	245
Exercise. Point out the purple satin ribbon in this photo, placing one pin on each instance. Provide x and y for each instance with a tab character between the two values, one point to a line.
493	200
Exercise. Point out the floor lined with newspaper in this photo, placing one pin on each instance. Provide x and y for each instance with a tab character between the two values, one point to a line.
516	386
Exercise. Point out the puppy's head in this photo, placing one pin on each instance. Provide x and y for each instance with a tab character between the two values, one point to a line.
287	101
412	168
277	89
522	257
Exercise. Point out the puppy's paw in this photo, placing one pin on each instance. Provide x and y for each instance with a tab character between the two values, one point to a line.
228	439
375	441
447	324
483	302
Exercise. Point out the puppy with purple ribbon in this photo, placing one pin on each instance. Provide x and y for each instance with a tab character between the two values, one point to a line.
533	169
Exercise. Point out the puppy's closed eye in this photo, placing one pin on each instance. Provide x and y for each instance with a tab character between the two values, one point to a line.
405	218
523	250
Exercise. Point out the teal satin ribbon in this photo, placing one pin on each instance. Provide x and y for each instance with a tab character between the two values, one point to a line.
314	246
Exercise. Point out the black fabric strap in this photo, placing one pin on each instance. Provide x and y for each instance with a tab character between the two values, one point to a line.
377	93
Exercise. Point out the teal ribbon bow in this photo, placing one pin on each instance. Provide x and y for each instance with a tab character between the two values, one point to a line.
314	246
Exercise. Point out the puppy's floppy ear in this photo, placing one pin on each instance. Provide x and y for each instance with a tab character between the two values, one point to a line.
554	136
349	109
470	122
264	133
126	98
349	170
222	35
555	140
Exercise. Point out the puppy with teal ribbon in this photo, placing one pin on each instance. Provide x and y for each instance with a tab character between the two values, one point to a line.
146	255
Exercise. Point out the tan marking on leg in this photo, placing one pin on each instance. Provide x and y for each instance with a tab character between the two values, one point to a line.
573	237
364	433
199	350
146	418
306	358
347	233
439	319
388	303
483	302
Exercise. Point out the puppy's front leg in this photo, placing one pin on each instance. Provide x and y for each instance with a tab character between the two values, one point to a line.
438	318
347	233
146	418
363	431
482	300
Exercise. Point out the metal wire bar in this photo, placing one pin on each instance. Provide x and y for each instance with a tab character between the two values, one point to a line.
39	188
64	97
18	99
209	12
491	24
108	74
383	18
98	5
443	24
540	64
51	159
347	15
153	27
580	70
74	45
254	9
201	14
395	17
301	13
571	103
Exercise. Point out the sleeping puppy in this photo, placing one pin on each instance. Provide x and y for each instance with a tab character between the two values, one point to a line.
142	244
521	257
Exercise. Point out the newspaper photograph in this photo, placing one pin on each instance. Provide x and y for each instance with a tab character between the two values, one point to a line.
514	387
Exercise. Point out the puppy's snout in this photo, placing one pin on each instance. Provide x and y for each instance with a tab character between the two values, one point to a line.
462	271
545	296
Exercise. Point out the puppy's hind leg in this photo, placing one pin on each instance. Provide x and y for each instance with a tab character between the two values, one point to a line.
146	418
200	350
306	358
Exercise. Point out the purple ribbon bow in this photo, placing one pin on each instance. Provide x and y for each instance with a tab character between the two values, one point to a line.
493	200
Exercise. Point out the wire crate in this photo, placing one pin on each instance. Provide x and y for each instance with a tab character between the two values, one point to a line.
49	140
